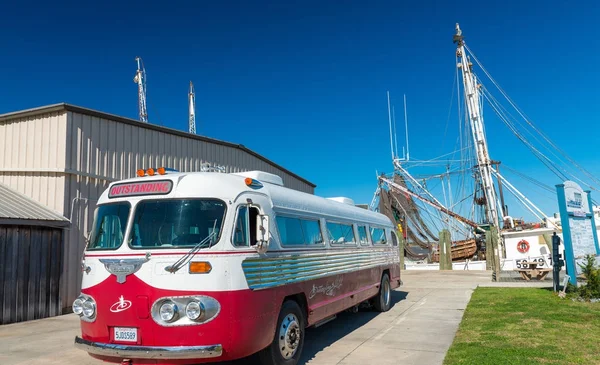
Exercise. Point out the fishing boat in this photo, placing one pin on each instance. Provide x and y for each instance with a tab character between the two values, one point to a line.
467	198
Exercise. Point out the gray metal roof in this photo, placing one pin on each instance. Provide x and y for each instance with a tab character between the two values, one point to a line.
16	206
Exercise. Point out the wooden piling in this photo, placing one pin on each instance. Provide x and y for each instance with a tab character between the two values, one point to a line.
445	250
491	257
401	244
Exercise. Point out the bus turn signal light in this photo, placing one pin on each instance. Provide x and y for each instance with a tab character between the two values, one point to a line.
200	267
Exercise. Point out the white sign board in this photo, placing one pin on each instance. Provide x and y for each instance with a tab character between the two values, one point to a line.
583	239
579	231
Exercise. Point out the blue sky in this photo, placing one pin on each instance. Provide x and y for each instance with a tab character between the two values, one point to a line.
305	83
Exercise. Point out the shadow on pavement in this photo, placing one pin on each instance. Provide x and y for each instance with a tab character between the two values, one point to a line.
319	338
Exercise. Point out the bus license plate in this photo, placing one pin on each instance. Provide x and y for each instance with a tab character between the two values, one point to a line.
126	334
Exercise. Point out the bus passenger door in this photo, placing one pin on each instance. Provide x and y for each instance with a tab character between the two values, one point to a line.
245	238
249	208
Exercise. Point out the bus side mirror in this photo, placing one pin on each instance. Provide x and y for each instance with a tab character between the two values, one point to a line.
262	233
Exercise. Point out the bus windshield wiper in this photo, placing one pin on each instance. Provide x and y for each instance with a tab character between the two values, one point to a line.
188	256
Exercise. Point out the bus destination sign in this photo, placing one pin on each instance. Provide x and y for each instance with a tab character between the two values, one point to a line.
159	187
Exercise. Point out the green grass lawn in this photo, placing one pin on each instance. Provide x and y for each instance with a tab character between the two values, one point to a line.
526	326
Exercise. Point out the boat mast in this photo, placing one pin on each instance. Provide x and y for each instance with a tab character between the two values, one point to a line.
473	98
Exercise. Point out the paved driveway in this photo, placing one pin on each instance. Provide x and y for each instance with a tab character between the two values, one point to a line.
418	329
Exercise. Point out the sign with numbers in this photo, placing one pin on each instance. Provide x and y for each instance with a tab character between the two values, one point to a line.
542	262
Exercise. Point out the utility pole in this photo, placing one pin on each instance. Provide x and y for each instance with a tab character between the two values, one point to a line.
192	109
140	80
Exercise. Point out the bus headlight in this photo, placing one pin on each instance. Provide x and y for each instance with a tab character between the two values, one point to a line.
194	310
168	311
185	310
85	307
78	306
89	308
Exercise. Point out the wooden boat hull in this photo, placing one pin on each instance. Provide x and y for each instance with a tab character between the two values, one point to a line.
461	250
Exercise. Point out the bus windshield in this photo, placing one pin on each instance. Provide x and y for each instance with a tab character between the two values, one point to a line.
109	226
176	223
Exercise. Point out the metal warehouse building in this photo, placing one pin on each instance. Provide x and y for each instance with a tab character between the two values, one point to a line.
31	251
64	156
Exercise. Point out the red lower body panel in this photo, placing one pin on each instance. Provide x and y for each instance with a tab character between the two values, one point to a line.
245	324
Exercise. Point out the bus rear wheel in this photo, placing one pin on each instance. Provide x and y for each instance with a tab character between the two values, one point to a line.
383	300
288	341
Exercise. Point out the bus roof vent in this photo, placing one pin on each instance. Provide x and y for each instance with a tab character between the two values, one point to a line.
262	176
342	199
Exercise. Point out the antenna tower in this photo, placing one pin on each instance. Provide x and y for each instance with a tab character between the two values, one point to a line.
192	109
140	80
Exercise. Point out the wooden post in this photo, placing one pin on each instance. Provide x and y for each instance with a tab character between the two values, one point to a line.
445	250
401	244
491	244
489	252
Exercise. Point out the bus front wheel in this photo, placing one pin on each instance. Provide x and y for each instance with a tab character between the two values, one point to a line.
288	341
382	301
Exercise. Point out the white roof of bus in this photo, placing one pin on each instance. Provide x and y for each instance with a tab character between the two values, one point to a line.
286	199
229	186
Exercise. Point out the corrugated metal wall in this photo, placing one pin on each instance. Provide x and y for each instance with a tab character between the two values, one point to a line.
30	270
110	149
32	157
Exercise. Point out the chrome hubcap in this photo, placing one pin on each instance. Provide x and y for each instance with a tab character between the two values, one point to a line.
289	336
386	293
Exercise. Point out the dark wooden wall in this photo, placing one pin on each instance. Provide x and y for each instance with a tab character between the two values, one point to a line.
30	271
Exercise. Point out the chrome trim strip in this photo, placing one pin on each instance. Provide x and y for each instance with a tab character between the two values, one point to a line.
255	265
262	273
148	352
282	270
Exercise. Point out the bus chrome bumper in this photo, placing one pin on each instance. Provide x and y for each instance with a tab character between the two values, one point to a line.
148	352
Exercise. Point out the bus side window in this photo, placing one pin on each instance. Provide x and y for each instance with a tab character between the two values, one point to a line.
240	233
253	215
394	239
378	236
340	233
362	232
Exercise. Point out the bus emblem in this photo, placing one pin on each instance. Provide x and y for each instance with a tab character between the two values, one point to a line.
121	305
122	268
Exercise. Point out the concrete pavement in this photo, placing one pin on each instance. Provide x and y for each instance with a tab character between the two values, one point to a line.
418	329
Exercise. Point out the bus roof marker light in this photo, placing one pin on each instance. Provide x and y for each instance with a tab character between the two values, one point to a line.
141	173
150	172
161	171
255	184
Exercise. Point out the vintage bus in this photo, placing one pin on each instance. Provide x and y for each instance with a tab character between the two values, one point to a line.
185	268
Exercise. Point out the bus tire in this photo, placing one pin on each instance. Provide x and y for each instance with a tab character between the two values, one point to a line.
383	300
288	340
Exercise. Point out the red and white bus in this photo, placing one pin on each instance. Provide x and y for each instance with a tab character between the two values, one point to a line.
185	268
